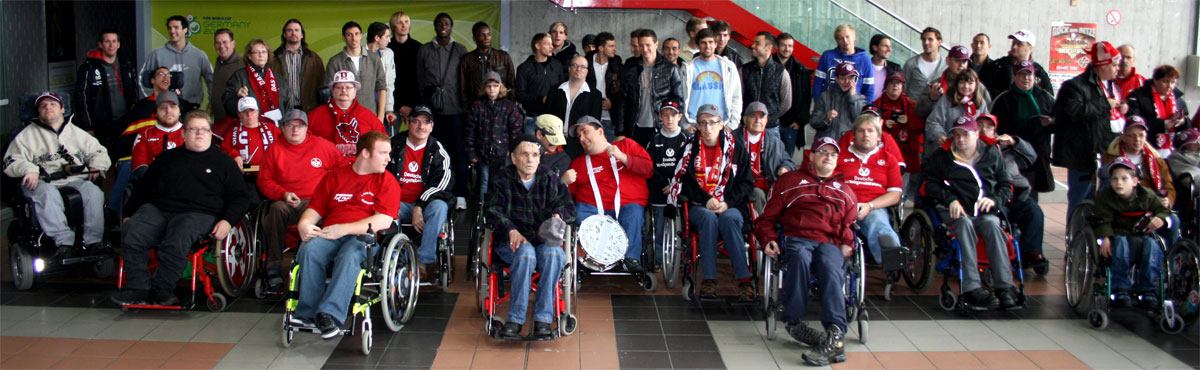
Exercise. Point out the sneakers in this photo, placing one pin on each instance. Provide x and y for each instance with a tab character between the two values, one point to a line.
165	297
980	299
830	351
1122	298
708	289
1008	299
1148	300
130	296
328	326
301	322
460	203
511	330
275	279
746	293
541	331
632	265
804	334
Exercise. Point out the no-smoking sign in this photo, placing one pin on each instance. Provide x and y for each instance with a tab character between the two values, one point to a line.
1113	18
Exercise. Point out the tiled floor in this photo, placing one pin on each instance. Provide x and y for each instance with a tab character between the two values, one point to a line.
67	322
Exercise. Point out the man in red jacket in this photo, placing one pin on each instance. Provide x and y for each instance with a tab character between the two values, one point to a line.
165	134
342	120
816	211
618	187
290	172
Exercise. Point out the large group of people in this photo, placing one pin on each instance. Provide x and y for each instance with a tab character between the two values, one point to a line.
577	131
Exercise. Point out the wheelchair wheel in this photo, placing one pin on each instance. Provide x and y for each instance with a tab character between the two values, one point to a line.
863	326
368	336
770	293
1182	279
1097	319
446	249
21	264
217	302
236	260
398	283
647	281
1078	219
1174	325
670	257
947	300
1078	268
568	324
480	269
289	333
104	268
918	236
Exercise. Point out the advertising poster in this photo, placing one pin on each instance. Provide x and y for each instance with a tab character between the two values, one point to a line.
1068	50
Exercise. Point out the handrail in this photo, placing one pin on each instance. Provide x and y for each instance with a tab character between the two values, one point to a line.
872	25
897	17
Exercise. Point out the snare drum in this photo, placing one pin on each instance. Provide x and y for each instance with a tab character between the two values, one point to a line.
602	243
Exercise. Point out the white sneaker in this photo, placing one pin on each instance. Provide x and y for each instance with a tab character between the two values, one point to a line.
462	203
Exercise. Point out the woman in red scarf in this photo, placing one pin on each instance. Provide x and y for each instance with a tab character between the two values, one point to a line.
256	80
1162	106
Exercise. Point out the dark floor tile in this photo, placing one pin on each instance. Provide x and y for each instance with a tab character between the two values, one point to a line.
672	300
433	311
83	301
406	339
685	328
633	300
905	313
690	343
638	327
644	360
725	312
1191	357
349	353
250	304
408	357
438	298
635	313
426	325
697	360
35	299
677	313
641	343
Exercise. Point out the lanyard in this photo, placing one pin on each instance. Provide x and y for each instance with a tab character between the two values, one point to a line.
596	189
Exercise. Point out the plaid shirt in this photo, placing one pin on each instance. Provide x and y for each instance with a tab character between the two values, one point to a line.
509	206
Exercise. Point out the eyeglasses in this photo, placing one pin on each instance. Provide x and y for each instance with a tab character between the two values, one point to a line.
198	131
709	123
294	126
163	74
577	66
827	153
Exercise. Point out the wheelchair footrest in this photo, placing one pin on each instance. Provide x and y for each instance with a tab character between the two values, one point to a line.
894	258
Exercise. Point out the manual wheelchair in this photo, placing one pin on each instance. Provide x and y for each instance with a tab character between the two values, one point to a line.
687	263
853	287
491	278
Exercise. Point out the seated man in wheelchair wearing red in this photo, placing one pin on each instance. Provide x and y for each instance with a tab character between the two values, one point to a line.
291	170
527	207
967	180
817	211
186	194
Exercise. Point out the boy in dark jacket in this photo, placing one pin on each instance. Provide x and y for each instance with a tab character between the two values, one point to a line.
665	149
1125	215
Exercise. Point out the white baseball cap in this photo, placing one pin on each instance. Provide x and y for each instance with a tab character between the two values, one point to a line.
1024	36
247	103
344	76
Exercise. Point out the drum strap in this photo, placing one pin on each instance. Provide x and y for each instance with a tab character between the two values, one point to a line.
596	189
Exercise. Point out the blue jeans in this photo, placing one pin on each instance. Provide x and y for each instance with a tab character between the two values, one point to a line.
316	296
485	172
124	171
1027	216
1149	260
631	220
805	259
547	259
435	216
727	225
788	136
874	227
660	221
1079	189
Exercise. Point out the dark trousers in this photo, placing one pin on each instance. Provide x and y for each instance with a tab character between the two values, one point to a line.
275	224
450	130
173	234
1027	216
804	260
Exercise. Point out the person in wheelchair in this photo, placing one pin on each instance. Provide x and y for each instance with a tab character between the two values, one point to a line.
348	202
288	177
768	160
164	135
422	167
528	207
186	194
874	175
816	212
49	153
343	120
1119	211
1154	172
1186	160
708	175
665	149
966	179
248	140
1023	210
614	183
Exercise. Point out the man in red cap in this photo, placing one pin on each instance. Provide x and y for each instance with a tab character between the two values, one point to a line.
165	134
342	119
1091	110
998	74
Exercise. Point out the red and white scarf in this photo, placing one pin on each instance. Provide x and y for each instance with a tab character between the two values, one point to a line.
1151	162
968	104
715	173
1165	109
266	90
268	137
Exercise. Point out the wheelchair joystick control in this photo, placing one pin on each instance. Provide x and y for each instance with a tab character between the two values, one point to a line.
368	237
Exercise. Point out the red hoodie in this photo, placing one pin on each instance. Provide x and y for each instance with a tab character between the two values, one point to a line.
633	176
817	209
1129	83
343	135
152	141
297	168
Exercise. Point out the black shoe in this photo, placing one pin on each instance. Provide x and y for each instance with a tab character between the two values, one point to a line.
1033	260
1148	300
804	334
1008	299
165	298
63	252
511	330
274	279
980	299
830	351
541	331
328	326
632	265
1122	298
130	297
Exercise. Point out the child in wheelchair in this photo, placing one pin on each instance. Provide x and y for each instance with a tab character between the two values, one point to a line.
1125	213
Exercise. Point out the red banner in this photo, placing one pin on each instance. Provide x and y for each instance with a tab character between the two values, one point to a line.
1068	44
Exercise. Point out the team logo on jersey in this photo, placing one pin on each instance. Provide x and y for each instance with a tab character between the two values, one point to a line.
315	162
367	198
837	185
803	182
412	166
171	145
670	152
863	171
881	162
348	131
342	197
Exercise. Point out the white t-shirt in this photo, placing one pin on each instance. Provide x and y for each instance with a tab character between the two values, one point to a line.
927	68
877	89
601	69
355	60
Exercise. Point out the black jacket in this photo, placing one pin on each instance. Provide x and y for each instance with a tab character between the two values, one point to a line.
965	181
997	75
1141	103
587	103
536	80
181	180
737	189
90	104
564	56
762	84
435	169
406	94
611	75
667	84
801	96
1081	113
1004	107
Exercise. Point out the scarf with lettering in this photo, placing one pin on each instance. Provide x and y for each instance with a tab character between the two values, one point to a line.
268	138
266	89
1150	160
716	173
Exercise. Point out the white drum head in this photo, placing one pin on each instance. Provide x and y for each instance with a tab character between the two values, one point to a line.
603	242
